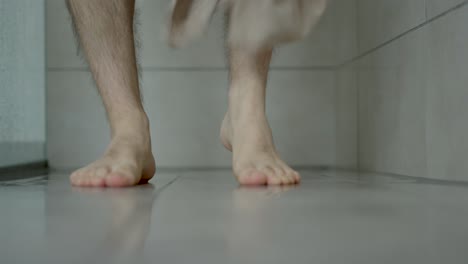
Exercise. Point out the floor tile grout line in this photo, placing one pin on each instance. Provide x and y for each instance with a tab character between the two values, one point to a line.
165	186
419	180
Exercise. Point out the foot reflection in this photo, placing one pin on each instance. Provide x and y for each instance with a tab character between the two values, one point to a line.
251	198
101	225
129	227
255	222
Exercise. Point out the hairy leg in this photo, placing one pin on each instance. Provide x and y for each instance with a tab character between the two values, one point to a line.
105	29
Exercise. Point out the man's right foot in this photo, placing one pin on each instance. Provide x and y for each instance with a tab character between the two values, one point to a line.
128	161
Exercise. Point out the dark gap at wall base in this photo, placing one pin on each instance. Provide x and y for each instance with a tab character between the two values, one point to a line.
24	171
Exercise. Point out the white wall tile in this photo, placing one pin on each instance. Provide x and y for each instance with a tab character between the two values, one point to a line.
328	44
14	153
447	96
331	43
22	71
205	52
186	114
61	46
22	76
412	100
208	52
436	7
381	20
345	18
346	122
391	85
76	122
301	110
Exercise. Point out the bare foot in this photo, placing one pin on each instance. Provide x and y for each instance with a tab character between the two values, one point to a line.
245	132
128	161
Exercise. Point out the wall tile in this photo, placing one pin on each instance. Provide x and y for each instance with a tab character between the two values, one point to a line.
22	71
392	92
319	49
346	125
381	20
447	97
331	43
22	87
436	7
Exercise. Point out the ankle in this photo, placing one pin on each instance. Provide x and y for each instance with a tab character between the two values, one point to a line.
246	100
241	115
130	124
246	87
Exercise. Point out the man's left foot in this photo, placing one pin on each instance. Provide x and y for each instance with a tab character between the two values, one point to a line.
245	131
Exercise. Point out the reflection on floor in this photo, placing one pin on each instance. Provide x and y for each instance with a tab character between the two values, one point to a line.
204	217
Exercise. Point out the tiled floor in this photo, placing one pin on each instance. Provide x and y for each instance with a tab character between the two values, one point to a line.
204	217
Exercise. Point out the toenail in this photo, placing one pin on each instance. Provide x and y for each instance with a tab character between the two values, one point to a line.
274	181
298	176
77	182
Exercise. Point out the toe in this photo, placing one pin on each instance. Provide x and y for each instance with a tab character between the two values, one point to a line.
253	177
75	176
78	178
274	181
75	181
85	181
90	178
96	177
289	175
116	179
297	176
273	177
281	176
285	178
291	180
97	182
292	177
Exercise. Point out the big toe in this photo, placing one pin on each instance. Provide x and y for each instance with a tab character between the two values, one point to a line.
253	178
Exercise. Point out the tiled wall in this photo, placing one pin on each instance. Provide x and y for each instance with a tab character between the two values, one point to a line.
313	113
398	99
413	87
22	82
